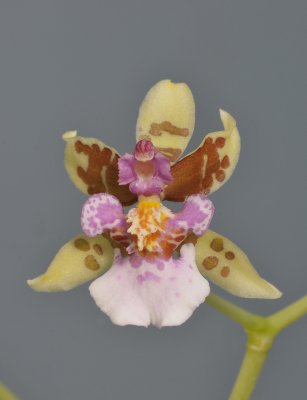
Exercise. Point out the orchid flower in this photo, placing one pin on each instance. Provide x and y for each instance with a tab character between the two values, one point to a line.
151	264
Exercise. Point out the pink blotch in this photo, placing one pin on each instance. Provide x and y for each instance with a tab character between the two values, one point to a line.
147	276
135	261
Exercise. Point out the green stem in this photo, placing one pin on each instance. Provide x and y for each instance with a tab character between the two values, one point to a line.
244	318
261	333
248	375
288	315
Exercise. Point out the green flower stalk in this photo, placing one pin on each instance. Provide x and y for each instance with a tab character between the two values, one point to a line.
261	333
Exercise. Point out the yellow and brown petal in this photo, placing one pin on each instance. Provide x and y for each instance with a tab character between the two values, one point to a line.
93	167
167	118
208	167
78	261
226	265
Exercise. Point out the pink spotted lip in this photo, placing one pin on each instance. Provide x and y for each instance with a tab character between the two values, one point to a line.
150	288
144	150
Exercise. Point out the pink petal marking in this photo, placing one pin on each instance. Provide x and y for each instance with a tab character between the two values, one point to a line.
196	215
102	212
163	168
147	171
137	292
144	150
126	172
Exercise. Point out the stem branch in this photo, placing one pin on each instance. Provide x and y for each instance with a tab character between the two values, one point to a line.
243	317
261	333
288	315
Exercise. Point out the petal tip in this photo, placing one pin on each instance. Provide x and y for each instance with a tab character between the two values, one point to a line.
227	119
272	292
69	135
36	284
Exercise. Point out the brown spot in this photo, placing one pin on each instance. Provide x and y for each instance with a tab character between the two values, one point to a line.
225	162
230	255
91	263
217	244
220	175
225	272
210	262
102	161
179	238
170	152
191	239
82	244
220	142
119	238
156	129
98	249
196	172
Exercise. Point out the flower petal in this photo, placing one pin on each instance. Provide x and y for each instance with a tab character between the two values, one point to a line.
100	213
137	291
196	215
167	117
225	264
162	167
78	261
126	172
208	167
93	167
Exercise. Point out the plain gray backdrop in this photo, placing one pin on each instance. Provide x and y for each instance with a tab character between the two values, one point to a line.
87	65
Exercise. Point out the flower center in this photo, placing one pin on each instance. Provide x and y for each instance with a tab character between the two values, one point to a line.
147	224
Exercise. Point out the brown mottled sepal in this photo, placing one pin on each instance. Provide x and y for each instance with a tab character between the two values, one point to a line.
208	167
93	167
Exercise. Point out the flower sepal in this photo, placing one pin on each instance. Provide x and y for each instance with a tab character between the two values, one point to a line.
80	260
226	265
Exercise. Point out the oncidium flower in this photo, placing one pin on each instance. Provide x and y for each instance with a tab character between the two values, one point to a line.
150	265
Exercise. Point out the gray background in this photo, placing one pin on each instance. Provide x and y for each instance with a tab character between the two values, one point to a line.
87	65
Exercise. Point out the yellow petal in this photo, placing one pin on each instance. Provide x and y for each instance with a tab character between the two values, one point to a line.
78	261
225	264
167	117
208	167
92	167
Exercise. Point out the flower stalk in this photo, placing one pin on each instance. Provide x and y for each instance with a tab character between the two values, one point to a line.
261	333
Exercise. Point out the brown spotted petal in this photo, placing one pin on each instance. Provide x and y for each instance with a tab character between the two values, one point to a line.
167	118
78	261
208	167
225	264
92	167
